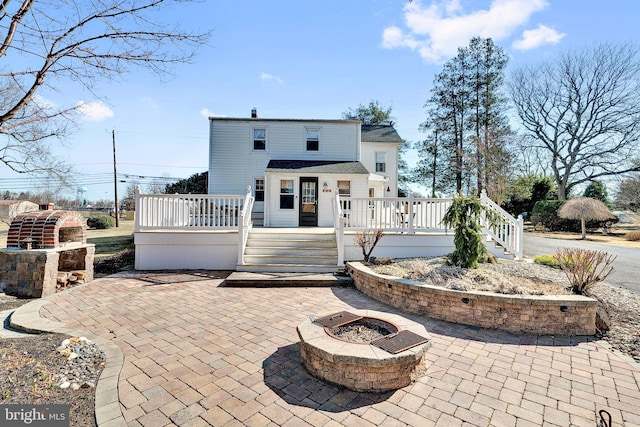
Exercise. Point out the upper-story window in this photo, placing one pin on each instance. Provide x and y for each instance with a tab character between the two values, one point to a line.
313	139
259	139
381	161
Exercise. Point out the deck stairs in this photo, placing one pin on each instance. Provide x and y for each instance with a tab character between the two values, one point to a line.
292	250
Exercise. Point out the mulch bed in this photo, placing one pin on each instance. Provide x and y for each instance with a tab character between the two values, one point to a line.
30	365
28	375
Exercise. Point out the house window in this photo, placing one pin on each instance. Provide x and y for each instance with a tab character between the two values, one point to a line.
286	194
259	139
344	188
313	139
381	161
259	189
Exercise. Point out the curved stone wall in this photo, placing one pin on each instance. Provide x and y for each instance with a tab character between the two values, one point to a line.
544	315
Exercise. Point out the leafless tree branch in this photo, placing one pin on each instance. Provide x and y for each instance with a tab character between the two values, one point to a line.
47	42
582	109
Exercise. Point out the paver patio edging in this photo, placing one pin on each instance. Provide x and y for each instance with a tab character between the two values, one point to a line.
539	314
107	405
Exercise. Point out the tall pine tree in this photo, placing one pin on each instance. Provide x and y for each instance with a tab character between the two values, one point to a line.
468	130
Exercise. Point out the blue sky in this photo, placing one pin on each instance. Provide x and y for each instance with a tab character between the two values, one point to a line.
306	59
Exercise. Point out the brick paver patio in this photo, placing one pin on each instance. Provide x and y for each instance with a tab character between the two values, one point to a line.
197	353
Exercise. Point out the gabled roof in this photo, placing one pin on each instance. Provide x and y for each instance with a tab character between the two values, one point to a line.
316	166
380	133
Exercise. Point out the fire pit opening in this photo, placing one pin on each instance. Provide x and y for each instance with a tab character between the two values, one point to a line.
364	330
364	350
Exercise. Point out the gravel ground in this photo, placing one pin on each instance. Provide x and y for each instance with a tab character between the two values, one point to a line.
33	371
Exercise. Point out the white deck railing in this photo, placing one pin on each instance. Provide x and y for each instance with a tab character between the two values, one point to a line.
187	212
408	215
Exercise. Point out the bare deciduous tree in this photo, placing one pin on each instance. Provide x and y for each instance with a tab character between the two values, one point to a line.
44	43
367	240
582	110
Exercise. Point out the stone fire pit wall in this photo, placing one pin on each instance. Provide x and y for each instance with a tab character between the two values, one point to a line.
359	366
544	314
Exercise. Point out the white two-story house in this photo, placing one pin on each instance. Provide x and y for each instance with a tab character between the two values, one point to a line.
295	166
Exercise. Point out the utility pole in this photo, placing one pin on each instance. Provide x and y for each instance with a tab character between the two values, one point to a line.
115	178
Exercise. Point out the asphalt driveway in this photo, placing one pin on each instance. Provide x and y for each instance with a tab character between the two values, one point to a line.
626	266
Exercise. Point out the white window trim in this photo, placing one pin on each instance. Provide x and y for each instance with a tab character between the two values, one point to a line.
338	186
383	154
319	150
264	186
293	194
266	139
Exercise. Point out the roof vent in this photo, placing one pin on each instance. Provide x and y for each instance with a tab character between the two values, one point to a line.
254	113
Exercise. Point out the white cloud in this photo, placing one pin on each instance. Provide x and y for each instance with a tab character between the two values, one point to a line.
43	103
542	35
436	30
206	113
267	76
94	111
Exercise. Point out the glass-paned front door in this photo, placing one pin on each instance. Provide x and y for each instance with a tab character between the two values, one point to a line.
308	201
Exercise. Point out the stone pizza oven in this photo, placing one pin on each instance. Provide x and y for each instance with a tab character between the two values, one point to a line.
48	229
46	250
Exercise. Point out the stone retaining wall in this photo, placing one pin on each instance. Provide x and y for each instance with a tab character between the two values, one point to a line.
544	315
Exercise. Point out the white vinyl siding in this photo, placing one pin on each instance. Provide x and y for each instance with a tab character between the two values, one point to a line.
369	150
233	163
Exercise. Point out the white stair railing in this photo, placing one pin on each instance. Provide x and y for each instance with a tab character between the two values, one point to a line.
507	230
244	224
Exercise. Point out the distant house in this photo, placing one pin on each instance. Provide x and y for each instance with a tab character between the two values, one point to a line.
294	166
9	209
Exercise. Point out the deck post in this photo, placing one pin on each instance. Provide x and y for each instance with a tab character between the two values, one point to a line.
339	228
244	224
137	209
412	213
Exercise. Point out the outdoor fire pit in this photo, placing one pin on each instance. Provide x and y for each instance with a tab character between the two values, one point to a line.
364	350
45	250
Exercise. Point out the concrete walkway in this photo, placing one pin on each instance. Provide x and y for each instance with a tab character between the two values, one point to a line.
196	353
